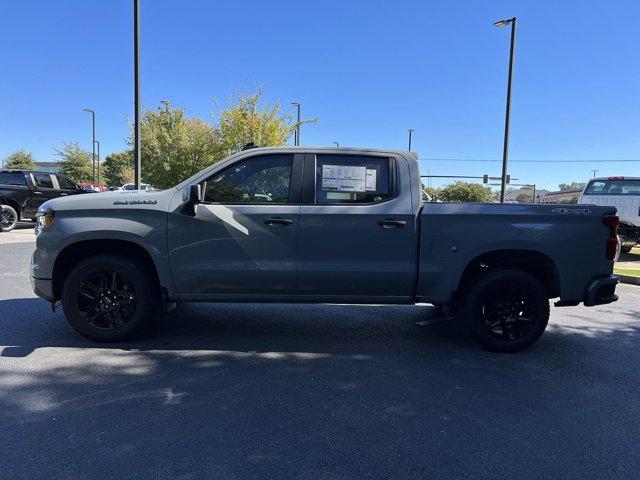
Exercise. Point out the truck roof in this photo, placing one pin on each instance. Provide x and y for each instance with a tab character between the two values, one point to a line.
7	170
602	179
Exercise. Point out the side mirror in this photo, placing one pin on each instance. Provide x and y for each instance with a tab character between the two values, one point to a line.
191	197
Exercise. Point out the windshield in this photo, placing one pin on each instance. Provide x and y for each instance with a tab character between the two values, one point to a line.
613	187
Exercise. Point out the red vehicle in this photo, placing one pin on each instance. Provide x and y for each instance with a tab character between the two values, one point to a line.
93	187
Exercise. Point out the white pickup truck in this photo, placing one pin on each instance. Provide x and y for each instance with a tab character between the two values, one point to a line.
624	194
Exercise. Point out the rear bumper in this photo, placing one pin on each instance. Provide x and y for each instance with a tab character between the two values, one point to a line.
601	291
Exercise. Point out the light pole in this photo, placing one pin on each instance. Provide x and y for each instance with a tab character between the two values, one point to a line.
136	80
297	133
410	135
594	173
337	144
93	142
505	148
98	160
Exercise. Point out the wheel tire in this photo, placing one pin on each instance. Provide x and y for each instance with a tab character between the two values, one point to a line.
9	218
524	298
133	280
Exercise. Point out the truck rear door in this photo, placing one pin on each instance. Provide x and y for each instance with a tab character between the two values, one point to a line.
356	227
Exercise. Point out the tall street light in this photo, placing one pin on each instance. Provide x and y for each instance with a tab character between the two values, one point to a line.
93	142
136	80
410	136
97	142
297	132
505	148
337	144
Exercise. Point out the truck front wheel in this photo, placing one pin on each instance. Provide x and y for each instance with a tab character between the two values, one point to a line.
9	218
108	298
506	310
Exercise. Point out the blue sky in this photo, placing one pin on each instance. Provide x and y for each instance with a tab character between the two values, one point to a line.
366	70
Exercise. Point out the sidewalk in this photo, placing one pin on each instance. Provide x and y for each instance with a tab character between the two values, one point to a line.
22	233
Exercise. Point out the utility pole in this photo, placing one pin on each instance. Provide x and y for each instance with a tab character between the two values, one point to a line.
594	173
137	152
297	132
98	160
505	147
410	135
93	143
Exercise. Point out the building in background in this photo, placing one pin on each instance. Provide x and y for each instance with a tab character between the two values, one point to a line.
50	167
562	196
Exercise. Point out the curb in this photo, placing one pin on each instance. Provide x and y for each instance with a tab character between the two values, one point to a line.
628	279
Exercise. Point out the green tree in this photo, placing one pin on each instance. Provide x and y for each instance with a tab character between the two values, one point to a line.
466	192
20	160
525	197
249	120
433	192
572	186
174	147
118	168
75	162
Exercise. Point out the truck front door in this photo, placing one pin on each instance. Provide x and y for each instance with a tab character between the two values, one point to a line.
244	236
356	228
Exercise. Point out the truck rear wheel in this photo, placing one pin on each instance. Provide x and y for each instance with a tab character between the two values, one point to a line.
108	298
9	218
506	310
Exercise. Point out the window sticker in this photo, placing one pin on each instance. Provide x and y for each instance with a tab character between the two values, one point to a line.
344	178
370	181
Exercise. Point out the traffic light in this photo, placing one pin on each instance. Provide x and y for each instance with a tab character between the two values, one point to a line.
485	179
508	178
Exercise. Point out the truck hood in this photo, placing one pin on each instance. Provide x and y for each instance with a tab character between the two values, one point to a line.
152	200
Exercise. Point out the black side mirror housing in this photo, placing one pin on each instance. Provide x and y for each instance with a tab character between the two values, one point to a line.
191	197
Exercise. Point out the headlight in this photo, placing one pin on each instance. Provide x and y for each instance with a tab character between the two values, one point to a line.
44	219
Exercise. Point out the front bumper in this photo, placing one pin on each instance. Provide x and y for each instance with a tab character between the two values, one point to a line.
601	291
43	288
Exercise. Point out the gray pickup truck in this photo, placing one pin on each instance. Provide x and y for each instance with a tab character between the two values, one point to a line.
319	225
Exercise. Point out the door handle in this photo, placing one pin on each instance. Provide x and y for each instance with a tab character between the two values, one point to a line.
391	223
277	221
63	194
37	193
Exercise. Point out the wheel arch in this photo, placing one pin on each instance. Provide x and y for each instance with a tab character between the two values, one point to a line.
76	252
534	262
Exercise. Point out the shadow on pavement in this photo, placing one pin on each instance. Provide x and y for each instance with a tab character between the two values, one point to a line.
314	391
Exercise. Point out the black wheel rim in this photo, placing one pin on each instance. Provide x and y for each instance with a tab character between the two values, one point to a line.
509	312
8	218
106	300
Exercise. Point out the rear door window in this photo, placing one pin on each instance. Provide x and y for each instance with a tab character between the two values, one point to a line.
353	179
65	183
613	187
42	180
12	178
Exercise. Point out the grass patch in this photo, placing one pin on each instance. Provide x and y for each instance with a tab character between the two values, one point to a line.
634	272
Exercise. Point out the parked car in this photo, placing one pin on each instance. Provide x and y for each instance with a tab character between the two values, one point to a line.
132	186
320	226
23	191
92	187
624	194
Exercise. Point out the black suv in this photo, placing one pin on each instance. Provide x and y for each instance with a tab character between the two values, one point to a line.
23	191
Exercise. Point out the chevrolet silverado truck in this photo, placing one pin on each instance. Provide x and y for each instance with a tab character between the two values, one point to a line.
336	225
23	191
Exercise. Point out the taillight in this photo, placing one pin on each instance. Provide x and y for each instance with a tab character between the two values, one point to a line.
612	222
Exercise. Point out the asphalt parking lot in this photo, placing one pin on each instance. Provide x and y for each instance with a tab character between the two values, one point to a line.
314	392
